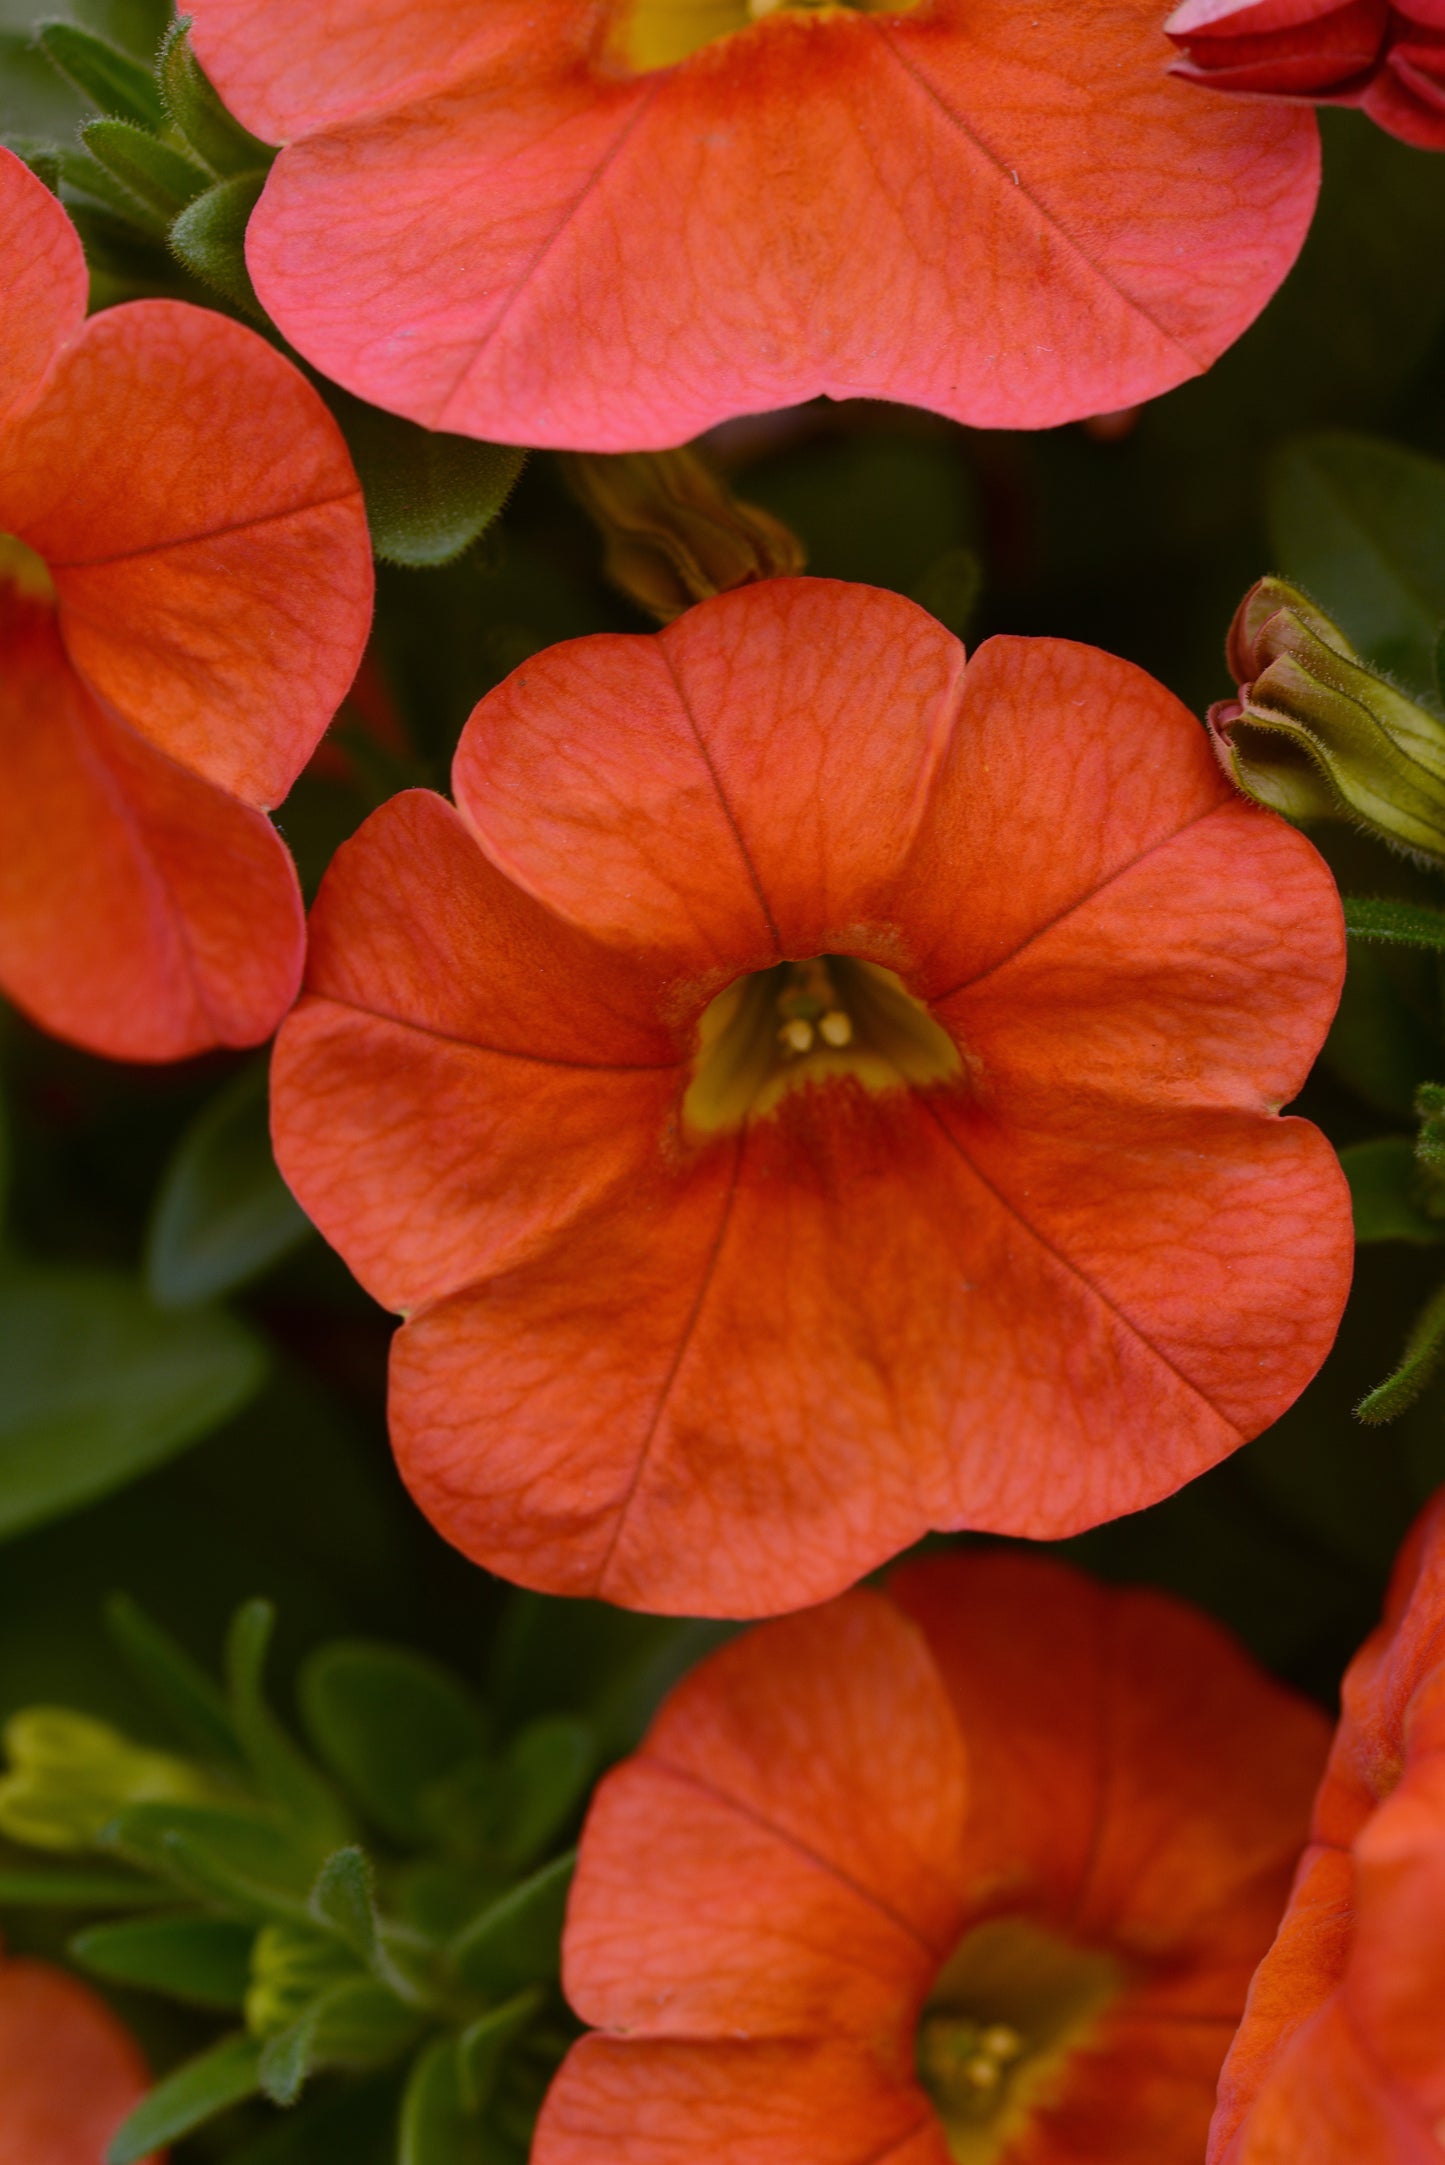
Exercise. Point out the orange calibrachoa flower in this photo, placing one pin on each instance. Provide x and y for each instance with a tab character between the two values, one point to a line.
607	224
806	1093
1388	60
1340	2059
973	1872
185	591
69	2073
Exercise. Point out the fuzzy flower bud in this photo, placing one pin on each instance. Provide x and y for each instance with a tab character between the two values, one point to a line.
69	1776
674	531
1315	734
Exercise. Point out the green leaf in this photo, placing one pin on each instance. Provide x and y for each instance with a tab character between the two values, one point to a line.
73	1890
517	1941
481	2047
100	1387
428	495
436	2125
390	1725
288	2058
194	2094
283	1772
204	1960
209	240
127	216
178	1685
223	1213
1404	924
543	1778
1423	1350
1383	1177
236	1859
213	133
342	1901
156	175
1360	524
352	2124
112	80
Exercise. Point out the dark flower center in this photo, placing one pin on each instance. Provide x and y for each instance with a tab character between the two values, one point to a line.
810	1022
658	33
1008	2011
23	570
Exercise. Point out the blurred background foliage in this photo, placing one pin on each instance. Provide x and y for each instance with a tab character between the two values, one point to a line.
193	1398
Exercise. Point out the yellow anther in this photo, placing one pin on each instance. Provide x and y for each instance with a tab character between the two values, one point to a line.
835	1028
759	8
1001	2042
797	1035
982	2073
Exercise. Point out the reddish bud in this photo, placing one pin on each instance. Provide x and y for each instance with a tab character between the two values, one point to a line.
1290	48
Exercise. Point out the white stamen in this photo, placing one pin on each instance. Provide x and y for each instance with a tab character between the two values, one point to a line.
983	2074
797	1035
1001	2042
836	1028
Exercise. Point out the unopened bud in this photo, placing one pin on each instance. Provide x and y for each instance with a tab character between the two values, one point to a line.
675	533
1286	48
69	1776
291	1966
1315	734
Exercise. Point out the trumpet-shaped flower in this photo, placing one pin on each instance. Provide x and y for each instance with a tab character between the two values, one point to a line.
970	1873
1389	60
69	2073
607	224
185	589
1341	2055
807	1092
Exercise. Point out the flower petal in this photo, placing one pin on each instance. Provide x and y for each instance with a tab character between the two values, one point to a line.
46	281
69	2073
801	1802
746	783
143	913
744	2103
199	514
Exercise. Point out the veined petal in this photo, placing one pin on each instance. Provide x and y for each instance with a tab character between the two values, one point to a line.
46	282
198	511
143	912
69	2073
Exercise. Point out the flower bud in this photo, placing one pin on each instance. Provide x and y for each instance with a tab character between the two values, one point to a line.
674	531
1315	734
69	1776
291	1966
1288	48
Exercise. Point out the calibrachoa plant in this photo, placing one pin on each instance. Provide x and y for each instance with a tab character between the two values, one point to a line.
185	590
975	1870
809	1091
904	1053
606	227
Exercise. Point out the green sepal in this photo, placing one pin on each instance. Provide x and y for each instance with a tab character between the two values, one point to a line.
179	1687
356	2024
223	1214
114	81
21	1889
1402	924
428	495
341	1900
282	1772
203	1960
517	1940
161	178
1384	1177
1423	1350
390	1725
195	2093
238	1860
191	101
136	219
209	240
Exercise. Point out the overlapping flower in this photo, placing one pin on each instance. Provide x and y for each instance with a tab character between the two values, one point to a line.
806	1093
69	2073
607	224
970	1872
185	590
1387	59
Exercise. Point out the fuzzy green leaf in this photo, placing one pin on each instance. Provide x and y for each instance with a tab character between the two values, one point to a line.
1423	1350
285	1775
1403	924
213	133
178	1685
161	178
22	1889
195	2093
428	495
112	80
517	1941
389	1724
223	1213
209	240
203	1960
1383	1176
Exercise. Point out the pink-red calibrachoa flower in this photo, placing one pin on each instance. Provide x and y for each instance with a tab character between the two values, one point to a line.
974	1872
69	2073
185	591
607	224
1340	2059
806	1093
1388	60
